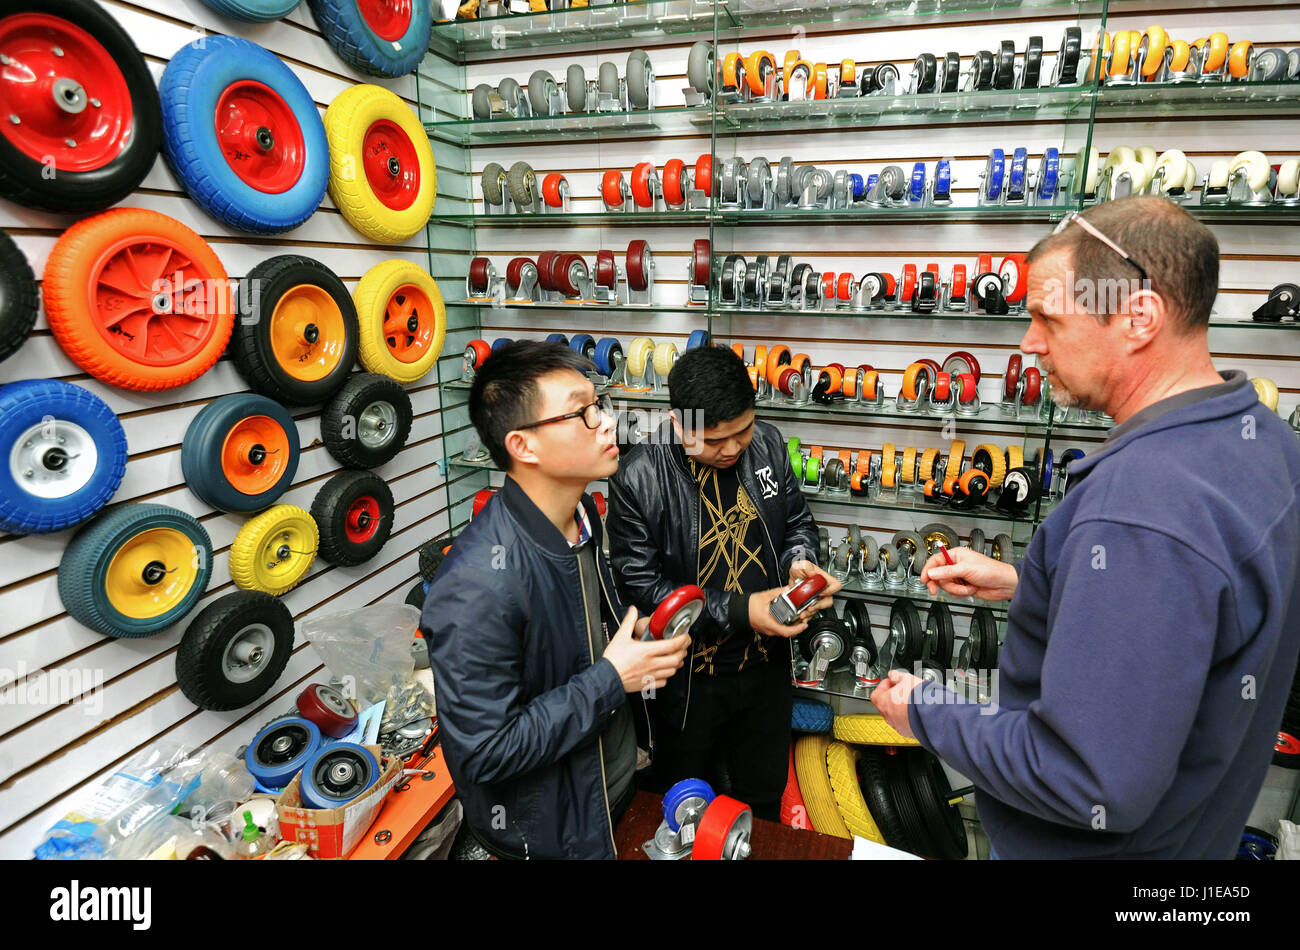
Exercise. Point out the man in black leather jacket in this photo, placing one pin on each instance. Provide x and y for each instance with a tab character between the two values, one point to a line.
540	708
715	502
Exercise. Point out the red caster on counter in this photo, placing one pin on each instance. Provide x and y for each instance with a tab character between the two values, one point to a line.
328	709
724	832
675	615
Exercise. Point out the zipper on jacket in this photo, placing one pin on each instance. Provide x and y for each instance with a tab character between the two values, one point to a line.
614	611
690	667
600	743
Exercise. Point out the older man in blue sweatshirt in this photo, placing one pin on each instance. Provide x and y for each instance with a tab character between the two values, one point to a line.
1154	621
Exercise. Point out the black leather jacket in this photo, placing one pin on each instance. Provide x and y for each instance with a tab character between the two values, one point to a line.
521	705
654	533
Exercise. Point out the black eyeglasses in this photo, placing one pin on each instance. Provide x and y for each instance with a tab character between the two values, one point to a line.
590	414
1075	217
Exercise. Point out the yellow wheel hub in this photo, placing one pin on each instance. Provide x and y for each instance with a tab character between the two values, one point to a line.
151	573
273	551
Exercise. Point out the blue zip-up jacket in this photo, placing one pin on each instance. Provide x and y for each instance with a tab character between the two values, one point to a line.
1150	646
522	702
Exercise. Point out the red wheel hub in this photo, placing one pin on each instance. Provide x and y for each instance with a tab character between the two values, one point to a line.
64	98
153	304
260	137
677	612
388	19
362	520
392	166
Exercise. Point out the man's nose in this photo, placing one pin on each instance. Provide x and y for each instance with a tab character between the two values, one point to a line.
1032	341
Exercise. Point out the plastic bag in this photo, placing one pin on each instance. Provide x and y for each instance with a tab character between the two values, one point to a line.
150	784
369	651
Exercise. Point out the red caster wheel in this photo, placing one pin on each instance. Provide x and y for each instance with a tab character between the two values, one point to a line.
478	275
958	291
1012	377
1033	386
639	260
674	168
844	287
481	499
960	361
966	389
1015	277
785	609
551	192
942	386
476	351
675	615
724	831
701	262
611	188
641	193
326	706
909	282
704	174
605	270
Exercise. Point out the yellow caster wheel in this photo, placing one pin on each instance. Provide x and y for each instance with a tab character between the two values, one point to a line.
639	354
1239	57
402	318
1218	177
907	474
1015	456
1085	180
274	550
1146	157
955	455
990	459
1267	390
888	466
665	355
1157	42
928	458
1288	178
382	174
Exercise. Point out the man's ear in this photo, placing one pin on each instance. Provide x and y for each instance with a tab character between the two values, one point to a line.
677	423
1146	316
520	447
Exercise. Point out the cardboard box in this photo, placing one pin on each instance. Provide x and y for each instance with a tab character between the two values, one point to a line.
330	833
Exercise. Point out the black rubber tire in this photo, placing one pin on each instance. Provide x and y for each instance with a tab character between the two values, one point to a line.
18	302
909	811
28	182
872	766
1004	71
199	670
1033	63
330	510
939	648
943	821
431	556
250	344
984	638
862	625
340	423
926	68
415	596
913	643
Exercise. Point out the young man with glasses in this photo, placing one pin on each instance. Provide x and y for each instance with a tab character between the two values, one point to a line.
540	671
712	500
1154	621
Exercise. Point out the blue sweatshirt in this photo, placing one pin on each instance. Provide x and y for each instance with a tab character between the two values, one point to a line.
1150	644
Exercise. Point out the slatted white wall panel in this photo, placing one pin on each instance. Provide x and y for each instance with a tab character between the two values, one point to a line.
50	750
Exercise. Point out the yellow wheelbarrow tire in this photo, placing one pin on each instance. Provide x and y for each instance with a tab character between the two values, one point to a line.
815	785
868	730
841	761
403	320
274	550
364	124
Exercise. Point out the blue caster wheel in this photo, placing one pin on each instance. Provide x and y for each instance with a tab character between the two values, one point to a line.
606	350
558	338
687	797
857	187
697	338
1049	174
993	172
500	342
338	773
279	751
585	344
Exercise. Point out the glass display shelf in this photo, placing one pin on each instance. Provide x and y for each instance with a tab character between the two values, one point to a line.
1019	319
1161	100
585	307
750	14
865	215
669	120
1052	103
856	588
841	681
1246	214
506	33
900	501
563	218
